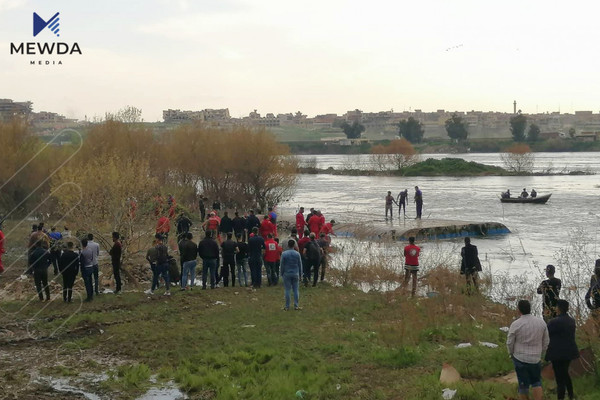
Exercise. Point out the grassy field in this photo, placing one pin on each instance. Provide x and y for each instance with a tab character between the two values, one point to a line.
236	343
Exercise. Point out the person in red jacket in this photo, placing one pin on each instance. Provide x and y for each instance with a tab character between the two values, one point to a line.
270	258
163	227
321	219
314	224
212	224
2	238
327	229
411	264
266	227
300	222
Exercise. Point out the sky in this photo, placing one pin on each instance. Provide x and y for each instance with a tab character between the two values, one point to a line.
314	56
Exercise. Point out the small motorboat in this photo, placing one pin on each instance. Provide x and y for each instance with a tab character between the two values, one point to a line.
534	200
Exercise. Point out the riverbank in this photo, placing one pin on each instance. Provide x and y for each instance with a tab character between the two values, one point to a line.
433	167
438	146
237	343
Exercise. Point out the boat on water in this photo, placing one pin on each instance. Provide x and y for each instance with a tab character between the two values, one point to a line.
534	200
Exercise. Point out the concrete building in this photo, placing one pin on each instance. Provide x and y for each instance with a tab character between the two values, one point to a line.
10	109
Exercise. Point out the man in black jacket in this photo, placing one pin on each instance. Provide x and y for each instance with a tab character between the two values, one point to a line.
550	288
470	265
208	250
68	264
39	261
226	225
229	248
239	224
188	252
251	222
115	257
562	348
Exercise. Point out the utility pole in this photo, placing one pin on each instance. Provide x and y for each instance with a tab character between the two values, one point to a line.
515	107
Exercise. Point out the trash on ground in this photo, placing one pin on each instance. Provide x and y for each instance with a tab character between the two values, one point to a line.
248	326
504	329
448	393
488	344
463	345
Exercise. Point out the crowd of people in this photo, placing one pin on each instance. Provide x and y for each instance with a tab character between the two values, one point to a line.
46	248
401	200
241	246
230	247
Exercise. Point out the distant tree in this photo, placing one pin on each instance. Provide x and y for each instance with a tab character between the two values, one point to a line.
518	123
399	153
533	134
518	158
128	115
456	128
353	131
411	129
572	133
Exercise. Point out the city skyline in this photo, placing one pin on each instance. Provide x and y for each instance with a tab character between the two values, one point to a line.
324	57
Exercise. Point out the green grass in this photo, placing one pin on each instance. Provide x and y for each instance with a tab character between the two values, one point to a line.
343	344
451	167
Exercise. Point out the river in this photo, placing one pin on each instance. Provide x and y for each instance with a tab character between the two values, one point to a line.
538	231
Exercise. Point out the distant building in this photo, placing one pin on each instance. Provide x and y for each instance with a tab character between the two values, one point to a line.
208	115
10	109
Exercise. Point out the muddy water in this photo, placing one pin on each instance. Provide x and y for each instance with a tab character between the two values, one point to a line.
538	231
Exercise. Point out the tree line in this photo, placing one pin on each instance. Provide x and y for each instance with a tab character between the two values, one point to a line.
457	129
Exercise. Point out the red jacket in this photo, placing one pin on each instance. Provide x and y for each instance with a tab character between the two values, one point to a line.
212	224
302	242
265	228
163	225
300	222
314	224
327	228
411	255
271	250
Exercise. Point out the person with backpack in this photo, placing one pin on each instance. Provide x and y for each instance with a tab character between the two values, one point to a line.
550	289
312	254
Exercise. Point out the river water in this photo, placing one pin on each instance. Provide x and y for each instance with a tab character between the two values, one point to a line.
538	231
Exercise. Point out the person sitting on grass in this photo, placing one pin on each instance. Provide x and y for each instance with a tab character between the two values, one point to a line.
291	271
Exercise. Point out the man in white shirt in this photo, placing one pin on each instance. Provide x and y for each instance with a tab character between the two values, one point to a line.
527	340
95	248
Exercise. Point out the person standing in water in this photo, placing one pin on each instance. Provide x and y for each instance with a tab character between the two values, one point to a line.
401	201
419	201
389	201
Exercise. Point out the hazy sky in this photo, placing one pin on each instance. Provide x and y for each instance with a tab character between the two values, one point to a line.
316	56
